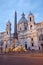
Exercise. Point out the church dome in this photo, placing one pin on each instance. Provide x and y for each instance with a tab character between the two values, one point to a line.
23	19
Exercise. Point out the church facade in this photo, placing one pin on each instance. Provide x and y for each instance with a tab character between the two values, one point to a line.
30	34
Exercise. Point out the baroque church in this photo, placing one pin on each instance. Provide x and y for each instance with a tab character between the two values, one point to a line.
27	33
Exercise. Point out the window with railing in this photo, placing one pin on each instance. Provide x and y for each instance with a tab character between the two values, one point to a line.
41	37
32	44
30	26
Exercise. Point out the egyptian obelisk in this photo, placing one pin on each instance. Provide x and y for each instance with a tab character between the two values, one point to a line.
15	26
15	35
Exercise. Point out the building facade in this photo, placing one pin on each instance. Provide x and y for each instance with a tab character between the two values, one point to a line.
30	34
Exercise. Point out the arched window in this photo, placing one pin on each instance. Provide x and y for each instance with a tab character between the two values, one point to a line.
30	26
30	18
41	37
25	28
20	28
32	44
31	39
7	32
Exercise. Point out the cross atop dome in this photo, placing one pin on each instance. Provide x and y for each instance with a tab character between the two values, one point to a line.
31	13
8	23
23	15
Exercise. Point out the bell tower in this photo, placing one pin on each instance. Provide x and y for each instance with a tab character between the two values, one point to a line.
31	21
8	27
31	17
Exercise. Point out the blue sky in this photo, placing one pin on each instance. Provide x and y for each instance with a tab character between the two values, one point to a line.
8	7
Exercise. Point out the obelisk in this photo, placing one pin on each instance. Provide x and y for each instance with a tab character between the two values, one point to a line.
15	26
15	35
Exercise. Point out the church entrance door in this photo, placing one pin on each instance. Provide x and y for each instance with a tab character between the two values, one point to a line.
42	46
26	46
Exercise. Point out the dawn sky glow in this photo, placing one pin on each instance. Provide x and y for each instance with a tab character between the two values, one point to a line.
8	7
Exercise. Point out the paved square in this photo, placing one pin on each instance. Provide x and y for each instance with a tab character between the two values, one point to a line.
20	60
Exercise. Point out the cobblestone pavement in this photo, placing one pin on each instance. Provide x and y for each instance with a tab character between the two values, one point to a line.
21	59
